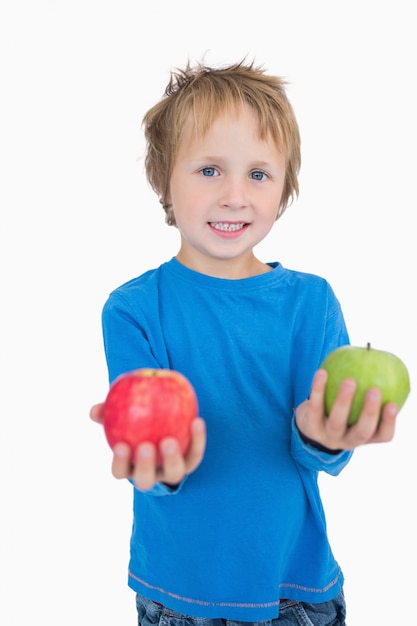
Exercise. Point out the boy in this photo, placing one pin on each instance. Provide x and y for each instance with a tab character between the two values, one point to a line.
234	530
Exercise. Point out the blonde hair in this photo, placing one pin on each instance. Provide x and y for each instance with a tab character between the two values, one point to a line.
206	92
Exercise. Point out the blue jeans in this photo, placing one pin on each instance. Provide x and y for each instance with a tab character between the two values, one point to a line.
291	613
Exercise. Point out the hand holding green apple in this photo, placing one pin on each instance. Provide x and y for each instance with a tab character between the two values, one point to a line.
369	368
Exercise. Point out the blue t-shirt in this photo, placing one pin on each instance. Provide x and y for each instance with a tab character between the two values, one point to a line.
247	527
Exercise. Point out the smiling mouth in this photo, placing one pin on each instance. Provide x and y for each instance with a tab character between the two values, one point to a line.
228	226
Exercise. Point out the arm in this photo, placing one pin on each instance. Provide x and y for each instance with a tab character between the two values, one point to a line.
132	340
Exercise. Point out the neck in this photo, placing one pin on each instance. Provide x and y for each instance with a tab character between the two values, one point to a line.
232	269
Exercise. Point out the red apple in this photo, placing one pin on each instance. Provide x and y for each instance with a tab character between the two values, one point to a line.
149	405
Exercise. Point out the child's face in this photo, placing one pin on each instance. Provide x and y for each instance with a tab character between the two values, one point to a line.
225	191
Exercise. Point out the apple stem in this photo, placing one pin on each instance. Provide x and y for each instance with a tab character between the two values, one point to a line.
368	346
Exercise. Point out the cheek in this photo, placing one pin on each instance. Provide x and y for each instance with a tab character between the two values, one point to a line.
270	214
187	199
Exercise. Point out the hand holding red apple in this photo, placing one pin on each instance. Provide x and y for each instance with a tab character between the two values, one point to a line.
146	471
150	418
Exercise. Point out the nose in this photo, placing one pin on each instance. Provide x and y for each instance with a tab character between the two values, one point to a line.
234	193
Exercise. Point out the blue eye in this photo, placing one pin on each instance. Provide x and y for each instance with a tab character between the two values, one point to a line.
258	175
209	171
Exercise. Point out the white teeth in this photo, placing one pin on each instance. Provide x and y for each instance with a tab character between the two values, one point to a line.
227	226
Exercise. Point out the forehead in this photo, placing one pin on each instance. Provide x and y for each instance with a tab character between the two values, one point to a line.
233	137
199	121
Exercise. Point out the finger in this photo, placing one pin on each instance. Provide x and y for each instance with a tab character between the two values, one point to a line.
310	414
316	403
386	428
367	424
121	464
197	447
337	421
96	413
173	464
144	471
317	390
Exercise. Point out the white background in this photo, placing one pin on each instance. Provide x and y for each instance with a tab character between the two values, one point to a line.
78	219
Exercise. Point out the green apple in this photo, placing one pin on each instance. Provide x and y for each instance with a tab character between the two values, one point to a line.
369	368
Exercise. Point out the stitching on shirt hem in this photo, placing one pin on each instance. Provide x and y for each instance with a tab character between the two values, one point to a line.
237	604
203	602
312	589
